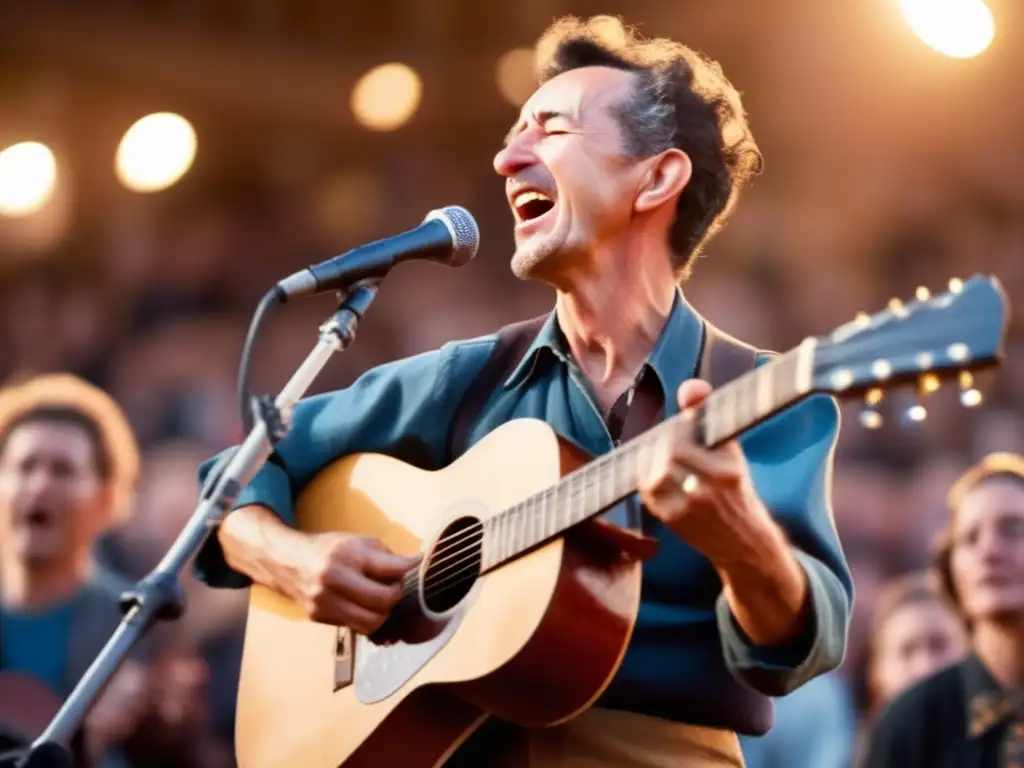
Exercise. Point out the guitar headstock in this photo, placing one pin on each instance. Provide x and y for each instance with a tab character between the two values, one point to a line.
925	341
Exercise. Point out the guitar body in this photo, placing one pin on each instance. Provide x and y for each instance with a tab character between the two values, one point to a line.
535	641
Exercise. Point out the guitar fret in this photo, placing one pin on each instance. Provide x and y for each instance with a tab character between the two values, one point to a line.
588	480
750	396
547	527
606	481
519	541
559	504
579	498
588	491
532	521
783	379
763	396
497	537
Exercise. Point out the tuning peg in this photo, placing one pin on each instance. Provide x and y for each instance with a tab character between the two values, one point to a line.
929	383
922	293
897	308
862	319
970	396
956	285
873	397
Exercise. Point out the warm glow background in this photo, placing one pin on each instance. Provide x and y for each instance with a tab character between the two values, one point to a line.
163	163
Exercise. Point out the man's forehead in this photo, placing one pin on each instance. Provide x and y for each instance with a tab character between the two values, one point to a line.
577	90
994	501
51	436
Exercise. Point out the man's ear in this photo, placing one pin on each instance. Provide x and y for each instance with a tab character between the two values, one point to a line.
667	175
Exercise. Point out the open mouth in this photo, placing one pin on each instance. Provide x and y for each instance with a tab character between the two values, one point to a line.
37	517
531	204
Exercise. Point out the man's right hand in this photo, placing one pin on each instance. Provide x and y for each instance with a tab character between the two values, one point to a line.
349	580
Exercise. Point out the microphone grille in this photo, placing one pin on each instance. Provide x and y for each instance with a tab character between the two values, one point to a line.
464	230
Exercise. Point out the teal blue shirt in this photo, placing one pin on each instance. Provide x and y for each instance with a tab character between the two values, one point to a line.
36	643
688	659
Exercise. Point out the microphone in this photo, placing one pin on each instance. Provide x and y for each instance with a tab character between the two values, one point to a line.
449	235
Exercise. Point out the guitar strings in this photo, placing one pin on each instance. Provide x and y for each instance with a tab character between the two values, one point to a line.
465	553
447	547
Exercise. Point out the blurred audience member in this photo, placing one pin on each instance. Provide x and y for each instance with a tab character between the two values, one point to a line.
68	465
970	714
915	633
209	635
175	730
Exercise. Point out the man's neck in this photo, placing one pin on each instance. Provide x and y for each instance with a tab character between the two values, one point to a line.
613	318
1000	646
33	587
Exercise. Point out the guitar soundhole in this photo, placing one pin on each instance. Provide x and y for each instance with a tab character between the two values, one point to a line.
453	565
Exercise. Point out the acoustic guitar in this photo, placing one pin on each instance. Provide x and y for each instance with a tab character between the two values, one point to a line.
522	606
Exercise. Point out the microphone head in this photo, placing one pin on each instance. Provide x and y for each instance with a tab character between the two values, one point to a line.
464	231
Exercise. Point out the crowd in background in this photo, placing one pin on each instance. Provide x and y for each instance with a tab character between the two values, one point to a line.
158	314
151	302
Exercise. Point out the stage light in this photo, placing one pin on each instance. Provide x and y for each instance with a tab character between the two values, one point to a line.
515	75
155	152
28	176
957	28
386	97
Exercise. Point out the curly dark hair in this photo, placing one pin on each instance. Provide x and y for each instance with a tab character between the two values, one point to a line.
682	99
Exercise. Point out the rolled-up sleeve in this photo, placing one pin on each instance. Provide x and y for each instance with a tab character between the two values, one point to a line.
394	409
791	457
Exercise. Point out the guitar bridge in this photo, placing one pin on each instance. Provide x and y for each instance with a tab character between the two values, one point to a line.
344	659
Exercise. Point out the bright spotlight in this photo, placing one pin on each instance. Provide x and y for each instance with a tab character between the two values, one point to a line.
28	175
386	97
957	28
515	76
155	152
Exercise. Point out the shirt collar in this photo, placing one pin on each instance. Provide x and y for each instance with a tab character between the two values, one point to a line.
987	702
673	358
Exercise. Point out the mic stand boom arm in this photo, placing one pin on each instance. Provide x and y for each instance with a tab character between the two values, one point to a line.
159	596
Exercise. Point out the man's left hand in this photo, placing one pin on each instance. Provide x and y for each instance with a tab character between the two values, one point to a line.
706	497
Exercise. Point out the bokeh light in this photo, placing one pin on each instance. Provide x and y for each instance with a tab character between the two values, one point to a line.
960	29
156	152
515	75
387	97
28	176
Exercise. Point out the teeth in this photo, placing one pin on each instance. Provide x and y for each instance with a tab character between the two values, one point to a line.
528	197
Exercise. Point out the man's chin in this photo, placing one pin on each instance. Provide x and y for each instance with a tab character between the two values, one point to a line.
535	258
36	548
527	261
1001	608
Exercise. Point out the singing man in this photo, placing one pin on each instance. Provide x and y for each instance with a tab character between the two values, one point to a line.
622	165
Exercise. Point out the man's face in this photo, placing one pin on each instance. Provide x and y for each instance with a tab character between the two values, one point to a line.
917	640
569	182
987	558
51	496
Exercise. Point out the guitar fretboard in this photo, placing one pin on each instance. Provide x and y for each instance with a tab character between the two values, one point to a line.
608	479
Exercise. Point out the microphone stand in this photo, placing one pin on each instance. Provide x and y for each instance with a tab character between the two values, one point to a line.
159	596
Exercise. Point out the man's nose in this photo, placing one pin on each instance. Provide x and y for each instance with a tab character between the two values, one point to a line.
514	156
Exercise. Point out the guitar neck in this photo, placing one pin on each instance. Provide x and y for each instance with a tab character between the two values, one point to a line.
725	413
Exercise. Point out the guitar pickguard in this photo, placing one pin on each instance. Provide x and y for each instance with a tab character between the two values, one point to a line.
381	670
